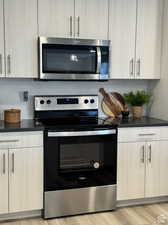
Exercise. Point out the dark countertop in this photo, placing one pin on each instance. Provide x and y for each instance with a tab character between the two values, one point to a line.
24	125
29	124
142	122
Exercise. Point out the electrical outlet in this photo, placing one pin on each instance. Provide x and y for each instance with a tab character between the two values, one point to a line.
25	96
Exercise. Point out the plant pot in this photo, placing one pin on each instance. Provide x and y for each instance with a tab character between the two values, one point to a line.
137	111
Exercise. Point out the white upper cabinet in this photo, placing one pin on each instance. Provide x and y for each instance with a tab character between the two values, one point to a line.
2	55
149	30
73	18
21	38
135	32
56	18
122	25
91	19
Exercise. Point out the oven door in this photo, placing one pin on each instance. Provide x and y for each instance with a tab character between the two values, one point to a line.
68	61
80	159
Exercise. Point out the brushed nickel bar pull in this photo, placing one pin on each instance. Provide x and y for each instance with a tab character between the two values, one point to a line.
132	67
150	154
8	141
149	134
13	162
78	26
0	63
4	164
71	26
143	154
139	67
9	64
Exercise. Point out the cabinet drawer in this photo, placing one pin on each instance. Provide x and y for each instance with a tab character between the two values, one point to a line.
21	139
164	133
142	134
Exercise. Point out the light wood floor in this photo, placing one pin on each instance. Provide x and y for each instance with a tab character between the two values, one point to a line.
155	214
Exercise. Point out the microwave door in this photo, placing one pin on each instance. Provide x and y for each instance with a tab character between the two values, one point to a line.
70	62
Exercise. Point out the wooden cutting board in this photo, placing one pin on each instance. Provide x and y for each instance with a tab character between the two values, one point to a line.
112	104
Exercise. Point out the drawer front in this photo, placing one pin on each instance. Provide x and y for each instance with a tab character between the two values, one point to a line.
21	139
164	133
142	134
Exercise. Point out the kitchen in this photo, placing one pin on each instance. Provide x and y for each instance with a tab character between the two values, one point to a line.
137	63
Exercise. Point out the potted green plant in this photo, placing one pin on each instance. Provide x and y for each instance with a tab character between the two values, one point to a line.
136	100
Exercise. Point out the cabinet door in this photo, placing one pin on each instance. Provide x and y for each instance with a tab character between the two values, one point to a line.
149	33
152	169
25	179
3	181
21	38
2	64
56	18
91	19
130	171
122	26
163	154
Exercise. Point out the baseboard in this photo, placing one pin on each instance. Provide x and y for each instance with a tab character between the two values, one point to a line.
120	204
20	215
142	201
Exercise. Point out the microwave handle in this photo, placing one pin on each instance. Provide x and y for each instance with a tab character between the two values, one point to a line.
98	60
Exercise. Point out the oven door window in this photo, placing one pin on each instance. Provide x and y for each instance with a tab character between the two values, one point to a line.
69	59
81	156
81	162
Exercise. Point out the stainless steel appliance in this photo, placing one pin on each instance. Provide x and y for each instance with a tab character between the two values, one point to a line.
73	59
80	156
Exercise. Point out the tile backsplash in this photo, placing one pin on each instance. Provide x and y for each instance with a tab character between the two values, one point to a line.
11	91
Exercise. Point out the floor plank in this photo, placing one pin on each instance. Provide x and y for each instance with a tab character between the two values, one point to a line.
155	214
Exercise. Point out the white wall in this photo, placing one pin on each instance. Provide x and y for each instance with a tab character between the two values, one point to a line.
159	89
11	91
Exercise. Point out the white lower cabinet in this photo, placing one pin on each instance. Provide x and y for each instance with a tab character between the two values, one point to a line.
25	179
3	181
152	164
163	181
131	171
142	163
21	172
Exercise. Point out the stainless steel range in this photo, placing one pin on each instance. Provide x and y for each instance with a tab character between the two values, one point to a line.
80	156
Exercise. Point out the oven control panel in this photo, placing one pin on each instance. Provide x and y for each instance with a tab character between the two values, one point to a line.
87	102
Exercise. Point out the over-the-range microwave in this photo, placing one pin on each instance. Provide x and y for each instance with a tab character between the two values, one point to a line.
73	59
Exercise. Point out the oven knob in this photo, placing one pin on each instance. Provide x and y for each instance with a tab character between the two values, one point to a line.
41	102
96	165
48	102
86	101
92	101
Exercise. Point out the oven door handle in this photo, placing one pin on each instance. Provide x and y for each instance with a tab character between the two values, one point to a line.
81	133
